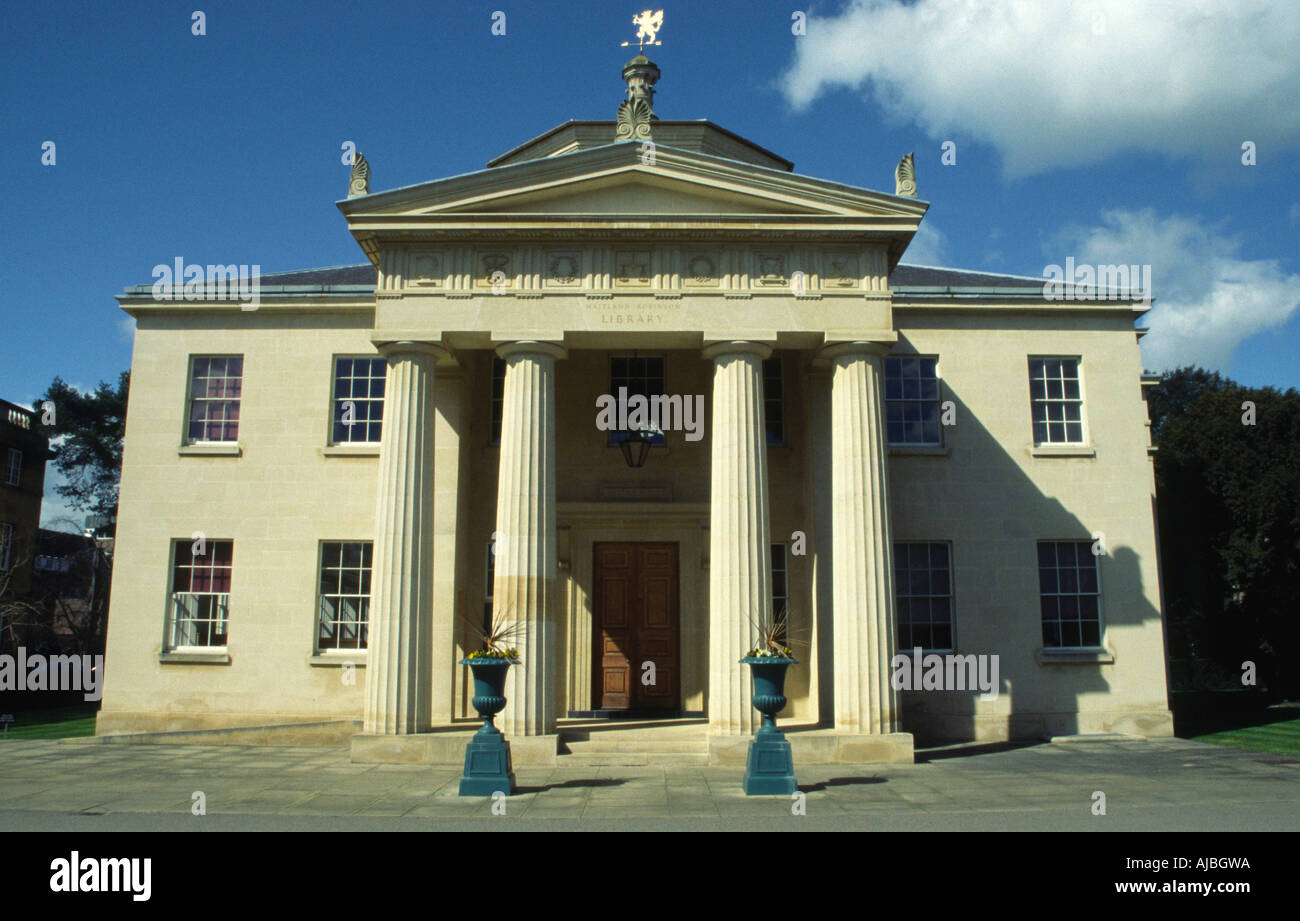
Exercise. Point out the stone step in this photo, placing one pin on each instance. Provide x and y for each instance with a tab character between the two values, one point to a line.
629	759
607	746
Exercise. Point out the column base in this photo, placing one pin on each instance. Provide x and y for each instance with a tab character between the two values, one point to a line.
487	765
770	767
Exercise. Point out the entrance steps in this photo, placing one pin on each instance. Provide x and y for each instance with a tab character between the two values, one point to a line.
624	743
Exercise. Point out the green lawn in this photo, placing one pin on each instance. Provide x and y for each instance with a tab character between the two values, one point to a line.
1276	730
61	723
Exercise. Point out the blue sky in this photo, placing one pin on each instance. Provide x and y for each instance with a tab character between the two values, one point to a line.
1086	130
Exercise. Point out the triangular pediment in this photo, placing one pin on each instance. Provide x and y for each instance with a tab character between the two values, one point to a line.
631	192
632	179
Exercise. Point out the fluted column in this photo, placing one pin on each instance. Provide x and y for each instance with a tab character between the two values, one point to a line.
399	659
526	573
740	558
862	555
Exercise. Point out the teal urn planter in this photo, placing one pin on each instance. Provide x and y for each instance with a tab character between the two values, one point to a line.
769	769
487	756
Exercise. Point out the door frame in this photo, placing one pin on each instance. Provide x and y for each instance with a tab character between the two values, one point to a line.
596	647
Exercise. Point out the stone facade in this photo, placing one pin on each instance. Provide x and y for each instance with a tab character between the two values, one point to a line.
497	302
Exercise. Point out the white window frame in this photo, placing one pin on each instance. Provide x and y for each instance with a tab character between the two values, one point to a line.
170	634
335	401
14	468
360	596
190	398
1064	401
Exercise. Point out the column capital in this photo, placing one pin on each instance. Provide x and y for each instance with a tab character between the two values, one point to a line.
855	347
531	347
738	347
391	347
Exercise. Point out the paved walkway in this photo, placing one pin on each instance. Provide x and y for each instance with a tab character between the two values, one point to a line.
1169	784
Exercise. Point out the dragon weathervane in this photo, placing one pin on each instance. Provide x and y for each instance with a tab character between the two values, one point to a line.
649	23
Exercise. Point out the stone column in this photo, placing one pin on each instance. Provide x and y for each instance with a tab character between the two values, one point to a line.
740	557
526	584
862	554
399	659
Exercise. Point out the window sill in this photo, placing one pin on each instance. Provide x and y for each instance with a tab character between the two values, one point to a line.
353	450
1047	656
1083	450
355	657
920	450
231	449
216	657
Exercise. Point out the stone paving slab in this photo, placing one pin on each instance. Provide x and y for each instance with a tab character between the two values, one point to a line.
44	779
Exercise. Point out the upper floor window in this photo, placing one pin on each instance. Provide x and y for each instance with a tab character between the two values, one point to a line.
773	401
200	609
498	397
215	386
358	400
912	400
1057	402
1069	594
641	376
344	599
923	593
6	546
14	467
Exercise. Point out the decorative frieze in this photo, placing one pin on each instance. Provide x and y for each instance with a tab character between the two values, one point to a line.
604	271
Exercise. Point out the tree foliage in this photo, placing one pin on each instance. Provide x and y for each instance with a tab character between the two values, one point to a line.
87	435
1228	500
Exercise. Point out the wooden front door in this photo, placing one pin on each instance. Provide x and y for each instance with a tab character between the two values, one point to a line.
636	622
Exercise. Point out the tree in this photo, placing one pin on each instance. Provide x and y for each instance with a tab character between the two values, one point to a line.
1228	500
91	426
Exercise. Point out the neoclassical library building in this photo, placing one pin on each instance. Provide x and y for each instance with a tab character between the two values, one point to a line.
634	388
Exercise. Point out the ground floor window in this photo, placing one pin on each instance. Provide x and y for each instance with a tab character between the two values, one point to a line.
489	577
200	598
1070	594
344	595
780	580
923	594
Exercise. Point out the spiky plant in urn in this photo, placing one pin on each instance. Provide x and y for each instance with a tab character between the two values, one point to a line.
487	756
769	769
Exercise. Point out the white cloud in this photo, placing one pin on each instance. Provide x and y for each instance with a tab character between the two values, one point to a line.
1208	299
1035	80
126	328
928	247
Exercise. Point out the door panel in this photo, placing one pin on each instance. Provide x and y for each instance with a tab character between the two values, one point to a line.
636	607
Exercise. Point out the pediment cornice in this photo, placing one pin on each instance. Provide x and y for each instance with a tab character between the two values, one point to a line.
500	190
